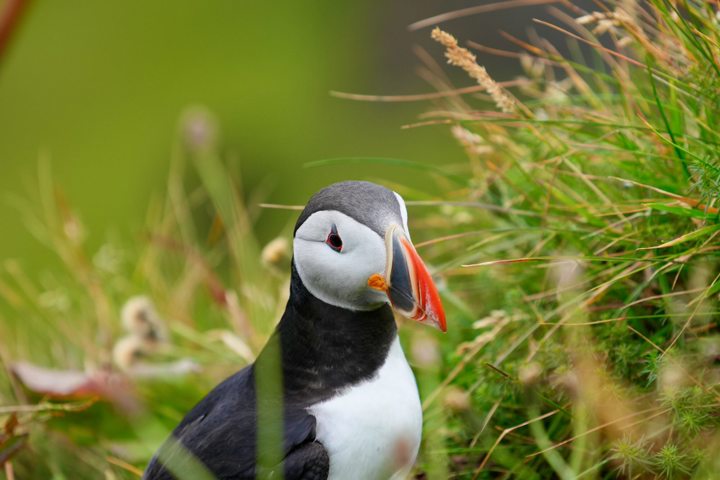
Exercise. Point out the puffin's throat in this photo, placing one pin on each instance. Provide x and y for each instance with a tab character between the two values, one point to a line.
325	348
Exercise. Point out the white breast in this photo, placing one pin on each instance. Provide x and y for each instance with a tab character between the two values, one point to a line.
372	430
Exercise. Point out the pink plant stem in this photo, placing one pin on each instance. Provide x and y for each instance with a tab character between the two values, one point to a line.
9	21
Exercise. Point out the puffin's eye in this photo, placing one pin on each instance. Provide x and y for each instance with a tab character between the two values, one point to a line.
333	239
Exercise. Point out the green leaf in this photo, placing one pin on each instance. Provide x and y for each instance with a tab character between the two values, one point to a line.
687	237
681	211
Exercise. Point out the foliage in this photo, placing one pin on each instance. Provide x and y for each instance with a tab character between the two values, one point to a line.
595	214
102	319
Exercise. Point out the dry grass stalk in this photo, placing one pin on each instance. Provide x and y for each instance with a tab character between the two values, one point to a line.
473	143
624	26
463	58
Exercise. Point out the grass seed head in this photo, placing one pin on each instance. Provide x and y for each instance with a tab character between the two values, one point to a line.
463	58
140	319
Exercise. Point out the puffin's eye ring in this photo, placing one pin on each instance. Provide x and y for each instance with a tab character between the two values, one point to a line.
333	240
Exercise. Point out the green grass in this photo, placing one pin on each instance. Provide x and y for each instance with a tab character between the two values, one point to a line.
576	247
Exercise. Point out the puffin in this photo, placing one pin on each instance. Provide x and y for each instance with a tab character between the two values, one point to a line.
347	405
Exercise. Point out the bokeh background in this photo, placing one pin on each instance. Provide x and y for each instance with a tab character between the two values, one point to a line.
97	88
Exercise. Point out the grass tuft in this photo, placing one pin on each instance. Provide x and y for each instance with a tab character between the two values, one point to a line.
609	154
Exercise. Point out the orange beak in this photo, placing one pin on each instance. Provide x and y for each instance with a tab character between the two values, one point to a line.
408	283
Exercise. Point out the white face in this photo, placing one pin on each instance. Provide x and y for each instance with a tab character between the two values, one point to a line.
339	276
403	213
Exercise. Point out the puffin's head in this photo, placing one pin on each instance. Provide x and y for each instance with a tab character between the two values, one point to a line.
352	249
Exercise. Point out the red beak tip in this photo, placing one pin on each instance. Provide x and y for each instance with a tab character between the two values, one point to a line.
442	325
426	294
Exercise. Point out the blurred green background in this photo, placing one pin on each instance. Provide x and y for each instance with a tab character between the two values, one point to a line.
97	89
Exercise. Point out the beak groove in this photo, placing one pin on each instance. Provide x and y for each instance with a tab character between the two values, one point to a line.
409	285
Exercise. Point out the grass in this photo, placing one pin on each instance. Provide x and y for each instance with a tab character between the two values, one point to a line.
576	246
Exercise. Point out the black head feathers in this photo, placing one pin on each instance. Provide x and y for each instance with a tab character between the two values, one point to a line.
370	204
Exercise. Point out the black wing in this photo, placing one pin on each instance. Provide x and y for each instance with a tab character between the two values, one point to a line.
220	432
310	461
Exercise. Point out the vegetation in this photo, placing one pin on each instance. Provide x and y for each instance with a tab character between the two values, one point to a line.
576	248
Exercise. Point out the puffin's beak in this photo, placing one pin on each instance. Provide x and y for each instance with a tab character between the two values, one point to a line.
408	283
